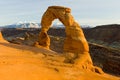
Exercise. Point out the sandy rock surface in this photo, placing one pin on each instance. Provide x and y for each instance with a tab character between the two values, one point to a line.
20	62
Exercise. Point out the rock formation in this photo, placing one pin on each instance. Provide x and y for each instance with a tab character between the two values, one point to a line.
75	43
1	37
43	40
20	62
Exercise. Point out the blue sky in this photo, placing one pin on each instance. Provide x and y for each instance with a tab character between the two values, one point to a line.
86	12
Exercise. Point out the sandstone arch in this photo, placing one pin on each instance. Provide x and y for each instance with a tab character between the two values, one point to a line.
75	42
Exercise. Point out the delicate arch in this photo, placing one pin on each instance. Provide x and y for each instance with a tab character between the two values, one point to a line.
73	31
75	41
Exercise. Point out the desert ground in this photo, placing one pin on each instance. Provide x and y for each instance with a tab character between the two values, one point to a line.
22	62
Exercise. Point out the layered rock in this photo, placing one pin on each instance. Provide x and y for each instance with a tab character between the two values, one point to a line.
107	58
75	43
107	35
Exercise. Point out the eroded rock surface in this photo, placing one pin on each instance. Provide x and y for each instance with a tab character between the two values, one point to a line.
20	62
1	38
75	43
43	40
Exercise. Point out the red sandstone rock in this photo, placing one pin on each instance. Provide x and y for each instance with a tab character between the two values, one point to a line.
75	41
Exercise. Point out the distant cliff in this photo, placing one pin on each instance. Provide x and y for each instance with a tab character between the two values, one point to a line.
106	33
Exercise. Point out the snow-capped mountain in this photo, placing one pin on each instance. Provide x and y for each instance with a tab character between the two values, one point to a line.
31	25
37	25
58	26
23	25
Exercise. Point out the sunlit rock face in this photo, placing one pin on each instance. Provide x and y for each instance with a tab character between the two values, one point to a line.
75	45
44	40
1	37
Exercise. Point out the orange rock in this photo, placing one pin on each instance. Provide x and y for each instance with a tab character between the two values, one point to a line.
43	40
0	35
1	38
75	41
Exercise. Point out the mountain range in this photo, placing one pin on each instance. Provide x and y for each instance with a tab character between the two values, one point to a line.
35	25
22	25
